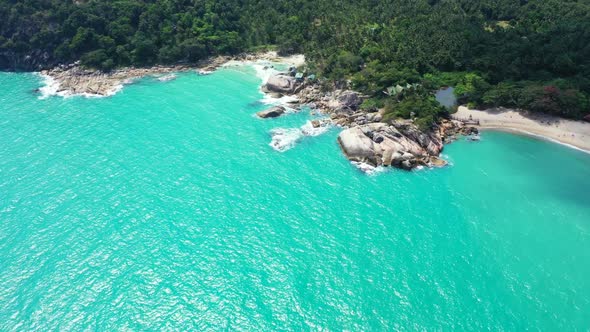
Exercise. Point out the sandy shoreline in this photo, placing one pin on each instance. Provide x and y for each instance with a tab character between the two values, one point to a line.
571	133
73	80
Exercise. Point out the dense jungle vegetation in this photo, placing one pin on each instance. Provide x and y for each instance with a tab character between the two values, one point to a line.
533	54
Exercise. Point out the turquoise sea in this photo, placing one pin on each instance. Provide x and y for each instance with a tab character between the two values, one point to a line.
164	208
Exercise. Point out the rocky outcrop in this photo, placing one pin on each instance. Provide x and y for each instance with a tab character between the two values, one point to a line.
73	79
281	84
357	145
349	101
450	130
365	139
400	144
272	112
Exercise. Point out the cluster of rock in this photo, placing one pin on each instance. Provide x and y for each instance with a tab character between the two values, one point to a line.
74	79
365	138
399	143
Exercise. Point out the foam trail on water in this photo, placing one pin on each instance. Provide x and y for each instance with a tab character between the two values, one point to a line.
368	168
284	139
284	100
264	69
309	130
166	78
49	88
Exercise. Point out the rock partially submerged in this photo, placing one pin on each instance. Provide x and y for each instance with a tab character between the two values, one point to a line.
74	80
284	139
400	144
272	112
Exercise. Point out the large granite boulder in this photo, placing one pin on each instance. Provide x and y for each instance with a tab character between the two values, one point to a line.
380	144
281	84
350	99
272	112
357	146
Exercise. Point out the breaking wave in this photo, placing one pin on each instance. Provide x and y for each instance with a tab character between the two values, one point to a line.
284	139
51	88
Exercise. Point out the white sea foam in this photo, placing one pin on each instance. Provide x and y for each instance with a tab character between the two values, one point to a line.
308	129
447	158
166	78
49	88
284	139
284	100
368	168
264	70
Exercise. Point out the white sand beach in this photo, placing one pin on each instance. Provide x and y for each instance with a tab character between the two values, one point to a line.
568	132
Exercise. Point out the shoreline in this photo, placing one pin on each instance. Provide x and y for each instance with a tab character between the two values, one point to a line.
364	139
73	80
569	133
522	132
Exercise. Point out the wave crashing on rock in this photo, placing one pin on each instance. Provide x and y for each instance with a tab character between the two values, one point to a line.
284	139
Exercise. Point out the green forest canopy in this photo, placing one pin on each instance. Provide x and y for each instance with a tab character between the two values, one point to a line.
533	54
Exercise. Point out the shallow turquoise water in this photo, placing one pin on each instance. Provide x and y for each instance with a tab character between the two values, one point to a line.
164	208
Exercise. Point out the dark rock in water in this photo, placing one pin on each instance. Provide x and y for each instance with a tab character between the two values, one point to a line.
406	164
437	162
255	104
281	84
272	112
275	94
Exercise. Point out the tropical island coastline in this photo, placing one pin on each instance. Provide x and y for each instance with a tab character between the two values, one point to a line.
208	165
384	59
363	130
74	79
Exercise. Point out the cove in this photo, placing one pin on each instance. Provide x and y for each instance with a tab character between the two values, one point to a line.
164	207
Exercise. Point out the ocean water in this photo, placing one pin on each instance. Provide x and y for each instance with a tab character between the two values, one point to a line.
163	207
